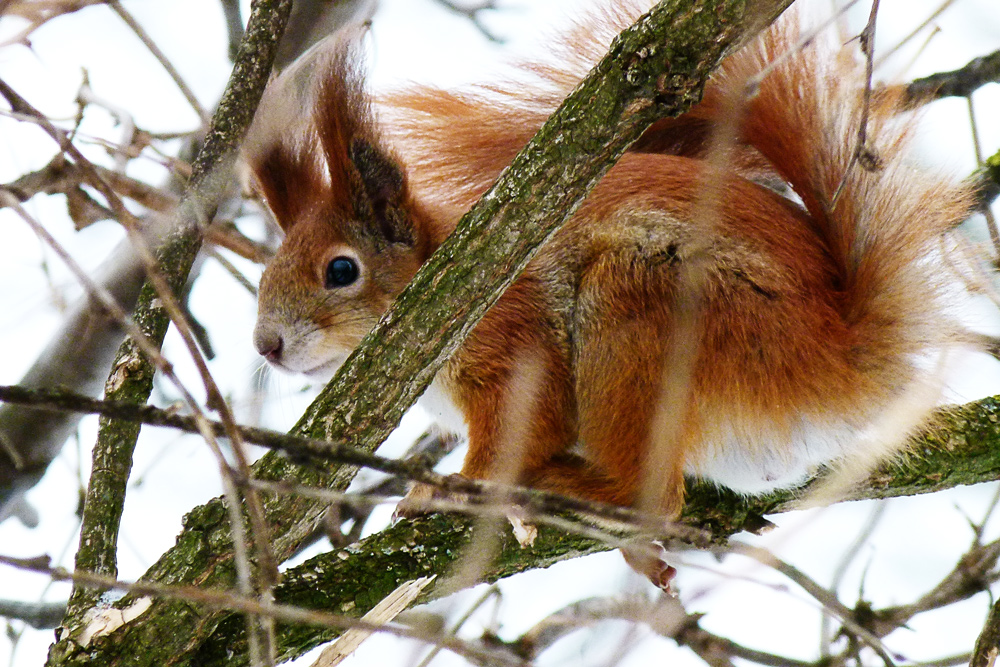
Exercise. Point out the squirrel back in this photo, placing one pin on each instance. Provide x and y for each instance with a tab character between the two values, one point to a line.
687	319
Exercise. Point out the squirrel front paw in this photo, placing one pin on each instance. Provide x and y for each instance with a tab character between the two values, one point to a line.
419	500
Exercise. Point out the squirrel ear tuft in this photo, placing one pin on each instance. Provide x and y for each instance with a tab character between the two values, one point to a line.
362	177
382	177
287	182
278	152
383	189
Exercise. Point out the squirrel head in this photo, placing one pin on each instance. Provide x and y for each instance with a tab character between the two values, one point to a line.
352	241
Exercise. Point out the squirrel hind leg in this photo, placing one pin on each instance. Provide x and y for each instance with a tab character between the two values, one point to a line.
626	337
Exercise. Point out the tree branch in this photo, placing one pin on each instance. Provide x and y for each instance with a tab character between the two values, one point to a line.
352	580
40	615
988	644
961	82
962	452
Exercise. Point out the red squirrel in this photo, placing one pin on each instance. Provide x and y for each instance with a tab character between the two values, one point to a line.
803	321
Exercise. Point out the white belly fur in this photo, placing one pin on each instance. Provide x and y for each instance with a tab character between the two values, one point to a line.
437	403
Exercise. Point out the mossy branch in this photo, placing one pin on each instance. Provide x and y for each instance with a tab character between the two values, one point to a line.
350	581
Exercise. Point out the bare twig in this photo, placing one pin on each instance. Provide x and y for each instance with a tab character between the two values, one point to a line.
977	146
161	57
234	25
850	553
39	615
863	154
936	13
60	176
961	82
830	602
488	594
122	153
973	574
807	37
37	13
471	12
231	269
948	661
226	235
665	616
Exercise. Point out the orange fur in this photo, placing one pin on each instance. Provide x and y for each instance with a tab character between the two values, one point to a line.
782	331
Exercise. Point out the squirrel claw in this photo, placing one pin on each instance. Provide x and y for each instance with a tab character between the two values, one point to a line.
648	559
414	503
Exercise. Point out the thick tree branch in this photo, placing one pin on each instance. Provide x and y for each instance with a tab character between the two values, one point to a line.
961	452
353	580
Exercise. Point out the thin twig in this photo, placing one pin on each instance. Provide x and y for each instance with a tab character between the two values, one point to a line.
826	638
60	175
936	13
950	661
234	25
676	624
862	154
472	14
232	270
829	601
226	235
87	96
753	83
977	146
161	57
488	594
974	573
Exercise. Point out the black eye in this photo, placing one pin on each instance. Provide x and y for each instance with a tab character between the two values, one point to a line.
341	272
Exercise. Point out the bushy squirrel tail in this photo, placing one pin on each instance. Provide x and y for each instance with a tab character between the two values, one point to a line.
883	221
799	104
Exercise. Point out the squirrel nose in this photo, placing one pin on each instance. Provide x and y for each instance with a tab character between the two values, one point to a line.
268	344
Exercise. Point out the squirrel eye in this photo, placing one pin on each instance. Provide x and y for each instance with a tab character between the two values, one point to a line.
341	272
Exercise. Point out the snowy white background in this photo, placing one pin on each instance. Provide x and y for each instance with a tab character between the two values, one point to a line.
918	541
